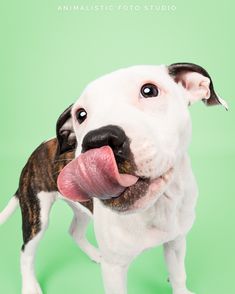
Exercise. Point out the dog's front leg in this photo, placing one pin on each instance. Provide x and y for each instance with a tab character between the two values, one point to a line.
174	252
114	278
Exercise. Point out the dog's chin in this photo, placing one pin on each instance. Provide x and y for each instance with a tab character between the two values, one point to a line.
141	195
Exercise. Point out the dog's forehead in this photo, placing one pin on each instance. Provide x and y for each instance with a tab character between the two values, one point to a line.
127	77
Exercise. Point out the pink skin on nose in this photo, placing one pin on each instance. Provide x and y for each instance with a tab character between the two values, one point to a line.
93	174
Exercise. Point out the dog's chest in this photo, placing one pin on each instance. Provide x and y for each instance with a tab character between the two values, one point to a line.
134	233
160	217
160	223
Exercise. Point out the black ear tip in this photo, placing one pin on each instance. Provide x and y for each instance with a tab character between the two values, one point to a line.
65	133
176	69
65	144
65	148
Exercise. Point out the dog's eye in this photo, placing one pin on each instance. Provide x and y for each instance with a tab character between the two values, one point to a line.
149	90
81	115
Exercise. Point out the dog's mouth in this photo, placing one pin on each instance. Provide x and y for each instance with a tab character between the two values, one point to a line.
97	173
140	194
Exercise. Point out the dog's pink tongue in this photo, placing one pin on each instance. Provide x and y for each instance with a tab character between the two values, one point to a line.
93	174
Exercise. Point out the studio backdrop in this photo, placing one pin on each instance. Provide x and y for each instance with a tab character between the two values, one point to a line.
50	50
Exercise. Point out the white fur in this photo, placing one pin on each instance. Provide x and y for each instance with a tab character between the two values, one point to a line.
77	230
160	131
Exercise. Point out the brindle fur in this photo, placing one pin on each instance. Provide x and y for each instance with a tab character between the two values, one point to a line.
40	174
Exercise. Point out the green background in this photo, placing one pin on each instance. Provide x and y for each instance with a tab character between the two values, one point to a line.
47	58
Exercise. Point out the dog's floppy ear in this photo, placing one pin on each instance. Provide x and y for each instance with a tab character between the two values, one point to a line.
197	82
65	133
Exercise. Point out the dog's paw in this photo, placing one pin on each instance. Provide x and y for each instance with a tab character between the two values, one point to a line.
32	289
95	256
182	291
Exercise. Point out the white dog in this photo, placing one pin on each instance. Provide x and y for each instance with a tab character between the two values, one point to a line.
126	141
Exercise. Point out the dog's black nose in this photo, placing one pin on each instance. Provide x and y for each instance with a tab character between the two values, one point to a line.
110	135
